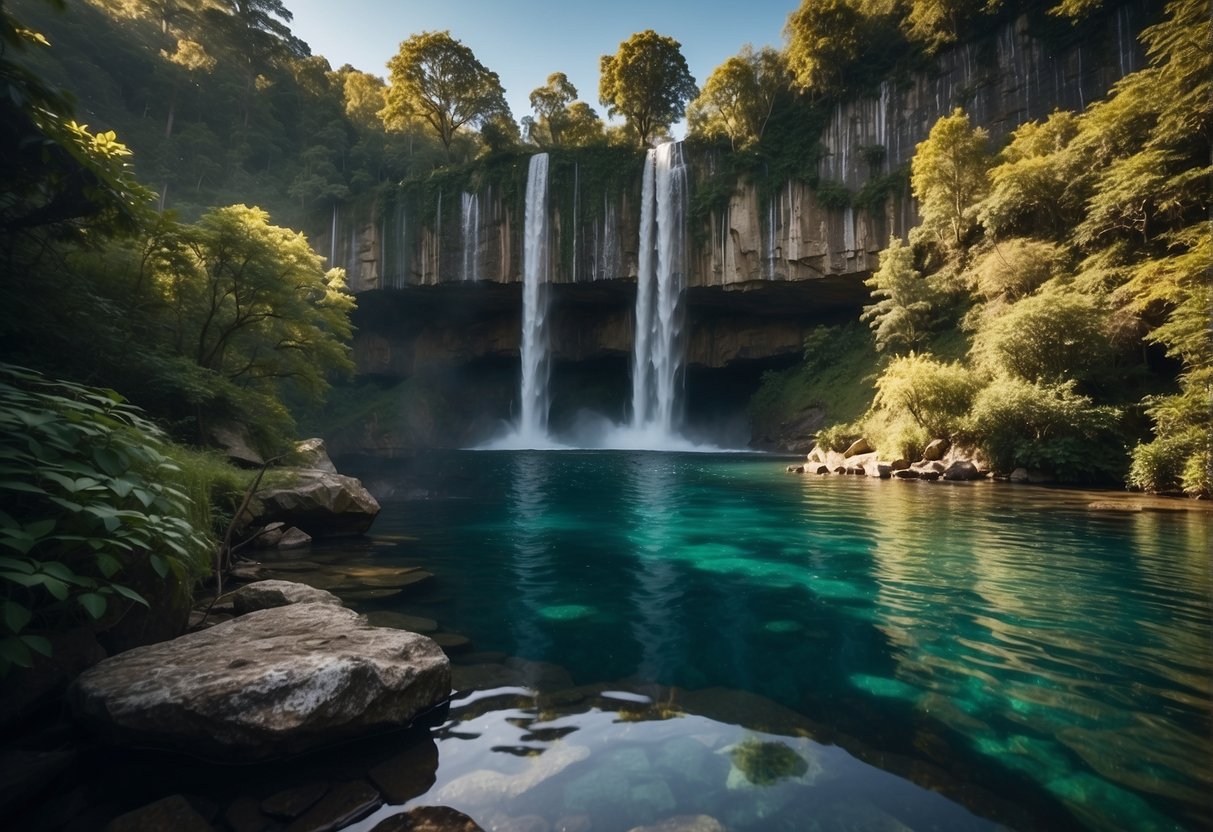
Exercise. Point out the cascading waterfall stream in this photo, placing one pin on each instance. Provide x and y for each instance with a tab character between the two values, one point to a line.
659	346
470	215
533	421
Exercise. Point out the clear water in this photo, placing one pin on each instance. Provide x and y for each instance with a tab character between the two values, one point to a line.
933	656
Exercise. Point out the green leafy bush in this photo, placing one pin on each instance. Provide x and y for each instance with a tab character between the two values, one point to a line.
936	394
89	495
1054	335
1019	423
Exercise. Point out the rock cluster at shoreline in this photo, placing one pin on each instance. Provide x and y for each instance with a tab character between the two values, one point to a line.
940	461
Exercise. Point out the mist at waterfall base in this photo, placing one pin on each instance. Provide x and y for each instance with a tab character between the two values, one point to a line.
658	356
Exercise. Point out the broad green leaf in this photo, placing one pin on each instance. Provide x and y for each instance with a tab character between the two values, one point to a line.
26	487
57	588
16	565
16	616
38	644
15	651
109	565
40	529
127	592
93	604
110	461
159	565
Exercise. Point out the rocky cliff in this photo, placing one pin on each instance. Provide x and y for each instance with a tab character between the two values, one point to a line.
438	264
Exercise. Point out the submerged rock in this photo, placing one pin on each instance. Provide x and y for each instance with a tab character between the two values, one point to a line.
173	812
429	819
684	823
272	682
343	804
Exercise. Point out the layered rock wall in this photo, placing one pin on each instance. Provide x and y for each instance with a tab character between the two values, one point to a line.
1015	75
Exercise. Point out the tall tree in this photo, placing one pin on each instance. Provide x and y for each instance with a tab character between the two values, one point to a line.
260	34
739	96
824	38
436	78
949	175
647	82
903	311
550	104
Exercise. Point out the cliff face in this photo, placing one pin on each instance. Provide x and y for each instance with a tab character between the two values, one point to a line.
1012	77
438	264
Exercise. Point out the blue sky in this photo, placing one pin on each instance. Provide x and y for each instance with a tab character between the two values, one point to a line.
524	41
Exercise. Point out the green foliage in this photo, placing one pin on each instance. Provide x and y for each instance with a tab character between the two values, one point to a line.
1037	186
948	177
903	314
1054	335
835	376
937	23
1016	268
647	82
935	394
55	173
437	78
1050	427
560	120
833	195
739	96
875	193
90	495
1174	463
824	38
838	437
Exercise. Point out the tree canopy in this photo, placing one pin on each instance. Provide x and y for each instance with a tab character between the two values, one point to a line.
436	78
739	96
647	82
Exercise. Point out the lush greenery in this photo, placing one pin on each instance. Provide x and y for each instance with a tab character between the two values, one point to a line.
1075	259
91	496
229	319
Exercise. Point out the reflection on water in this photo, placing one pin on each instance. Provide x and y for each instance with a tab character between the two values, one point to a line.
656	624
1004	646
532	559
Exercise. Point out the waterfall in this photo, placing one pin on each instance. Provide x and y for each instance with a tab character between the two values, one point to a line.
333	239
661	284
470	213
772	221
533	423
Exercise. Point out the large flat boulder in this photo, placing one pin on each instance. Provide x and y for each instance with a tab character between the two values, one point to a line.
320	503
272	682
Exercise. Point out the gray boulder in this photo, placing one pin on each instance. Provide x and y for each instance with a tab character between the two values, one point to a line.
233	441
314	456
294	538
859	446
319	503
266	595
935	449
962	470
1019	475
273	682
